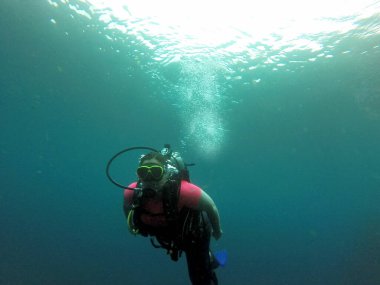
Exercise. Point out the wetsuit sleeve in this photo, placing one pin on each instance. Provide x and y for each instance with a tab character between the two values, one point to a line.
194	197
190	195
128	199
207	204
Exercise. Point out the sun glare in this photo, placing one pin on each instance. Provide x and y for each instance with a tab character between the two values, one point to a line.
202	19
233	26
201	39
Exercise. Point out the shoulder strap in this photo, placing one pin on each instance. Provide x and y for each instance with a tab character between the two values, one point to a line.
170	200
137	196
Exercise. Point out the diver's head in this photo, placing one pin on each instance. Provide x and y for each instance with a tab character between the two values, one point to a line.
153	171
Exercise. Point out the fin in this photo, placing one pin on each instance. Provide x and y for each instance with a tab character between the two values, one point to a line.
221	257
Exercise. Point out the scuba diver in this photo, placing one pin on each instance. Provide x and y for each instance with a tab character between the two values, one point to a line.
176	214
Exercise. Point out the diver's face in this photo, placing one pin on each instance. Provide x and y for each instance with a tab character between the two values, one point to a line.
152	171
152	174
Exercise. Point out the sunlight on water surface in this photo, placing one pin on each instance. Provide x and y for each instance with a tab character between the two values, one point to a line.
233	38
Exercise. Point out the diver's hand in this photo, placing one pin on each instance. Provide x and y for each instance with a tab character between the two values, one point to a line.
217	234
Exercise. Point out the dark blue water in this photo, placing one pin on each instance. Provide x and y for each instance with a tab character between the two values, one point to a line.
296	177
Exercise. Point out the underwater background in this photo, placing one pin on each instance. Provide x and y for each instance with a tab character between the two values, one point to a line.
284	132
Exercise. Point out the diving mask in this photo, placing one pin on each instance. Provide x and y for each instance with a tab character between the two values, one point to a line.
150	172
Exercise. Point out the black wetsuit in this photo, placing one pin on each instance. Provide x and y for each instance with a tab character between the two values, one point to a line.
200	262
191	234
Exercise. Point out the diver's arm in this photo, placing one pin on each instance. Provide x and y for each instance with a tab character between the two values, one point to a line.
128	197
207	204
126	207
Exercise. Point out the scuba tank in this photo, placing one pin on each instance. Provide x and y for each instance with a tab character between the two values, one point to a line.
175	159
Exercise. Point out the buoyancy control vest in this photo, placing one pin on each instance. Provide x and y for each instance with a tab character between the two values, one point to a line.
179	223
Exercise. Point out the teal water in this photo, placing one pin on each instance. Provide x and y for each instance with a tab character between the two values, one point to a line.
285	139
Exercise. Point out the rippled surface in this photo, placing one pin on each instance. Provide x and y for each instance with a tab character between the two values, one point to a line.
234	41
234	32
